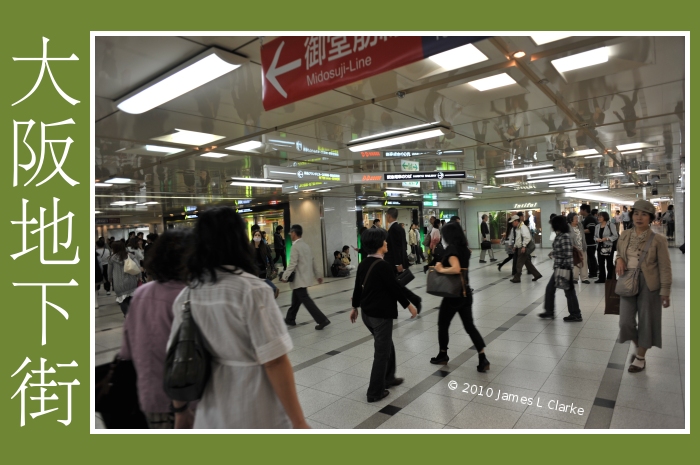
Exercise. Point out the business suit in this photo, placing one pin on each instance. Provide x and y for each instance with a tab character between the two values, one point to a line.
302	262
396	255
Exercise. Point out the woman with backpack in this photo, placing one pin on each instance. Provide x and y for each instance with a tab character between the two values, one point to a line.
124	284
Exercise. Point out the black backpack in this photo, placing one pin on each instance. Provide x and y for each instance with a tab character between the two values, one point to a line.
188	363
334	270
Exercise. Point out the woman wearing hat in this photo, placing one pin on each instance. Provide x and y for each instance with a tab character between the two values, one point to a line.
640	315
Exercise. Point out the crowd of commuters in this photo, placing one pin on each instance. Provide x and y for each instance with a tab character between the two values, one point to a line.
226	281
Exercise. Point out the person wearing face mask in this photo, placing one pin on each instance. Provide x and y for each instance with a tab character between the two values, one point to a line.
262	258
455	260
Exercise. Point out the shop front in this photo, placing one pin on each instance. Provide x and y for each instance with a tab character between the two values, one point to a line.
536	213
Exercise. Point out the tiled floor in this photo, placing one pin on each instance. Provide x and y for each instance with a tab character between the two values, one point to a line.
544	374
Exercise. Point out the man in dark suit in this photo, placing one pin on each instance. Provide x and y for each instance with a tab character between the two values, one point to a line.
397	254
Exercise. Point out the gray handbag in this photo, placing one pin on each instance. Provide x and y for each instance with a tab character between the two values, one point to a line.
447	285
562	278
628	284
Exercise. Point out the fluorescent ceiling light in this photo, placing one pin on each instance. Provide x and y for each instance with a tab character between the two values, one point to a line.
97	213
492	82
182	136
635	146
548	191
123	202
645	171
576	184
584	152
401	136
631	151
214	155
533	192
246	146
601	198
591	188
566	181
103	184
205	67
159	148
324	190
513	173
256	184
459	57
594	156
490	187
149	203
547	37
530	168
119	181
552	177
396	189
581	60
256	180
615	174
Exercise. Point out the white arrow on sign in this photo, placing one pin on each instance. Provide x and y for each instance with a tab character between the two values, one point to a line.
274	71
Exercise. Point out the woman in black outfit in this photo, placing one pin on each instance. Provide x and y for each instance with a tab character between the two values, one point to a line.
261	253
377	291
455	258
509	247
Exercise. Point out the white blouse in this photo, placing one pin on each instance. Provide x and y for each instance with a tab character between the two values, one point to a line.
244	329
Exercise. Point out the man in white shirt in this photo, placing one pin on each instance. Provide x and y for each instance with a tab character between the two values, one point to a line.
625	217
524	245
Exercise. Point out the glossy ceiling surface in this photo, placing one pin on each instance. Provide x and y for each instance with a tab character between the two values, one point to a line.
546	117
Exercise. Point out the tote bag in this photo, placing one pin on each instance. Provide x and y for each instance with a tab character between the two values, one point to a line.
447	285
131	267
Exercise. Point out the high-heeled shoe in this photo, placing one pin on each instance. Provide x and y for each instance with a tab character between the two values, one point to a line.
441	359
484	364
500	265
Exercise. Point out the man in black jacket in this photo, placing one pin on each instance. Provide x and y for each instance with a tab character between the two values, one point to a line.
589	222
280	247
397	254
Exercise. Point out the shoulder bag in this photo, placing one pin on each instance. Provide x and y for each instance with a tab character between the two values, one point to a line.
116	395
606	248
447	285
530	246
187	363
405	277
131	267
628	284
562	278
426	240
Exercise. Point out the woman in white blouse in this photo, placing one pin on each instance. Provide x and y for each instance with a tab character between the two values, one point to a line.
252	381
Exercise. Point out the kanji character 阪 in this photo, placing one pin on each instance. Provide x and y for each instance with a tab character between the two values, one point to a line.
44	141
43	385
45	67
41	229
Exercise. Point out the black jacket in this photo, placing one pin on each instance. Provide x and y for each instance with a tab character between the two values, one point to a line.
279	242
381	292
396	241
589	223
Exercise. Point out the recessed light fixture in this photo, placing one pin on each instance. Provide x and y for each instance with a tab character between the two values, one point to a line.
635	146
398	137
576	184
97	213
214	155
581	60
270	185
551	177
528	168
324	190
182	136
492	82
103	184
547	37
401	189
594	156
519	54
486	186
119	181
548	191
645	171
168	150
591	188
558	182
584	152
149	203
616	174
459	57
246	146
257	180
124	202
631	151
513	173
205	67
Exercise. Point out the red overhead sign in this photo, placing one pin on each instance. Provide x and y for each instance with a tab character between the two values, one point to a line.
295	68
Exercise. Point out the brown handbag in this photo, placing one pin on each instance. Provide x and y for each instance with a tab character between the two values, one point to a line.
578	257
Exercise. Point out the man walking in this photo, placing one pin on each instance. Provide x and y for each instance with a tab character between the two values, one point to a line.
525	246
280	247
397	256
414	242
589	222
303	266
486	239
625	217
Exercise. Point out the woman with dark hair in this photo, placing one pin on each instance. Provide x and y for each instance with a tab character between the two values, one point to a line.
563	255
508	245
260	252
640	315
377	291
605	235
455	260
135	248
124	284
252	382
150	320
102	258
578	241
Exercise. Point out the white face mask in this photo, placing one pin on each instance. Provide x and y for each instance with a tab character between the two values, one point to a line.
257	239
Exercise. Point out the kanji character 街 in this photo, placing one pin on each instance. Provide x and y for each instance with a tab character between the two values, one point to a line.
43	385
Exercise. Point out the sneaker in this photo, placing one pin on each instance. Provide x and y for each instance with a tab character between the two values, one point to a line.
546	315
573	318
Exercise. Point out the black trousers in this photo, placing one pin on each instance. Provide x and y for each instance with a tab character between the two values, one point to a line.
418	252
106	281
605	261
124	305
448	308
670	229
509	258
280	253
592	262
384	364
516	252
301	296
571	298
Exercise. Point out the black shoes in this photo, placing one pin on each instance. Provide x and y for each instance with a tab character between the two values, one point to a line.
535	279
395	382
290	322
494	260
441	359
419	306
482	261
546	315
323	325
425	269
573	319
514	280
375	399
585	281
500	265
484	364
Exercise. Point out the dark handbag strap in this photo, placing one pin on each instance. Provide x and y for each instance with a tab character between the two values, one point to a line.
370	271
646	249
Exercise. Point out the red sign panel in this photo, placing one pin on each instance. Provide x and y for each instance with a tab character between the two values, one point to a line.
295	68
